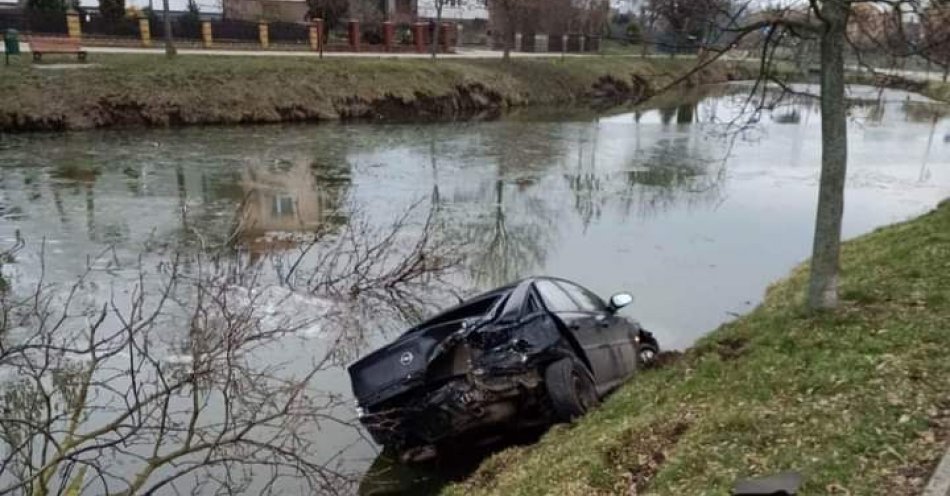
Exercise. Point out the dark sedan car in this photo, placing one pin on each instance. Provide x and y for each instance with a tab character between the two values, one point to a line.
538	351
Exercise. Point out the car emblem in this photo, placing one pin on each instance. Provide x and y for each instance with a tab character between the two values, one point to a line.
406	358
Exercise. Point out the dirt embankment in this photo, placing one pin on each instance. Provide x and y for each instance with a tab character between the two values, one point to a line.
151	91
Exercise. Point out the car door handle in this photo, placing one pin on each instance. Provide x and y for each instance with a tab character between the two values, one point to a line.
602	320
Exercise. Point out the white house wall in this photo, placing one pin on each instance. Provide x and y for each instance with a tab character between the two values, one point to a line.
465	10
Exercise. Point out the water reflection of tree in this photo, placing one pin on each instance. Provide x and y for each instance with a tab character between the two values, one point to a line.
792	116
924	174
77	176
925	111
505	247
674	170
584	182
671	172
510	238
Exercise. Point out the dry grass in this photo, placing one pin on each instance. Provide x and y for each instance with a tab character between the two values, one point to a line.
152	90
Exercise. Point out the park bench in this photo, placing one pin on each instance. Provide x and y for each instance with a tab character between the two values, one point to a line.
43	45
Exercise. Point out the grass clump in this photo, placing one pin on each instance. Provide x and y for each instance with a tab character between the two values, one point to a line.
857	400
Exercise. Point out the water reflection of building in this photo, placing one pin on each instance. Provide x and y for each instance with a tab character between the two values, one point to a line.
281	201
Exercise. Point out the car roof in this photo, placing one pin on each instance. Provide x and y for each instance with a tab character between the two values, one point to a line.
519	288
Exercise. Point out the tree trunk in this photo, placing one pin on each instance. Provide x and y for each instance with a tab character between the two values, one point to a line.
435	29
508	35
169	46
823	286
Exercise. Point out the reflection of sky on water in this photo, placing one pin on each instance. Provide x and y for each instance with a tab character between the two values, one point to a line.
655	202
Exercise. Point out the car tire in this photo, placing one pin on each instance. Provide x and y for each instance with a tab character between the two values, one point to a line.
648	350
570	388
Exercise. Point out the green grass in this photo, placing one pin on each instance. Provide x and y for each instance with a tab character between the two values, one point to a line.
938	91
196	89
857	400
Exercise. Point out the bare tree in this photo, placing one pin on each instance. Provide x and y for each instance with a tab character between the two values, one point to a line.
439	5
331	11
181	379
106	397
823	285
936	36
778	32
690	22
170	50
509	15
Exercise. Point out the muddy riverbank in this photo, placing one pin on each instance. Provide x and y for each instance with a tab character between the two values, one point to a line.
132	90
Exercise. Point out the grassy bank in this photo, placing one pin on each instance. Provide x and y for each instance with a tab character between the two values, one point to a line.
938	91
151	90
857	400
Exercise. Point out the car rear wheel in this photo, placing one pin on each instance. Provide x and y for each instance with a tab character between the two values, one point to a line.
570	388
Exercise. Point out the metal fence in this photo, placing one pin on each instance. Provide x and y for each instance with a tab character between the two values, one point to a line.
183	27
288	32
188	28
96	25
235	30
40	22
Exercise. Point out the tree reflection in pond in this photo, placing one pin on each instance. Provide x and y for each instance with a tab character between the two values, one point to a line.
509	220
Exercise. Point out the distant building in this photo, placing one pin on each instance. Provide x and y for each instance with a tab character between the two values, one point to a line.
454	10
471	15
627	6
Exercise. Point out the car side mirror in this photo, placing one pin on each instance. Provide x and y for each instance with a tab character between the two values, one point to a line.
619	301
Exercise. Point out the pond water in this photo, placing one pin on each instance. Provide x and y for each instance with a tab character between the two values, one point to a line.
693	217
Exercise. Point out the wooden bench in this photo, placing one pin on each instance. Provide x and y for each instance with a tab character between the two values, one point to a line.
42	45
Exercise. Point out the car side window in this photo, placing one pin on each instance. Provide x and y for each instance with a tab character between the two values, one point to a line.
587	301
555	299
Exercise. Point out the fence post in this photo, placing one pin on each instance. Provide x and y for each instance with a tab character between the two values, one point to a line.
354	34
263	34
316	28
389	32
207	38
72	24
145	31
418	37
